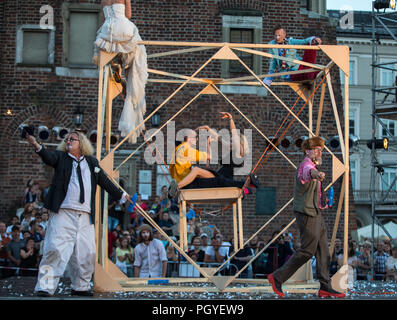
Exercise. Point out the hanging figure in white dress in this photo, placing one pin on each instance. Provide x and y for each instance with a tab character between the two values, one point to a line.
118	34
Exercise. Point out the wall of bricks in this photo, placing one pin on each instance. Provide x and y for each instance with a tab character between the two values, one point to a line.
39	97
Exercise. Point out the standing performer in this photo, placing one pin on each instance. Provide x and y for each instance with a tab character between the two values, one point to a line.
120	35
70	235
313	234
278	65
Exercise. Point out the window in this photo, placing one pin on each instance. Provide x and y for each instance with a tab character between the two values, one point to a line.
35	46
388	77
354	116
242	27
391	126
241	36
81	22
354	173
387	178
352	72
163	178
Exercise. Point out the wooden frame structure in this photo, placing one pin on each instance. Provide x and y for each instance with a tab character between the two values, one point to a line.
107	276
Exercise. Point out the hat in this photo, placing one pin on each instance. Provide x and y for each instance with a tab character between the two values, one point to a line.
145	227
312	143
203	235
152	211
205	221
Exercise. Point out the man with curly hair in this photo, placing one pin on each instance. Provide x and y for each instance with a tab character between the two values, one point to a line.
70	235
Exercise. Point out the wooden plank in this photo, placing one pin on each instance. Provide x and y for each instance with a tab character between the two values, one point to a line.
228	193
336	115
173	52
225	53
272	56
240	222
235	233
347	171
181	229
231	45
103	282
338	211
184	220
339	55
320	109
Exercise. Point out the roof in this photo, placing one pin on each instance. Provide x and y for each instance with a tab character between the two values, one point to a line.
362	24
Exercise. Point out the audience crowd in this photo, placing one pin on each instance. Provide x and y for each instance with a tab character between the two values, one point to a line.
140	250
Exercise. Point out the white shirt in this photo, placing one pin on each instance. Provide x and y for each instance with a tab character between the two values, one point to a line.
149	258
391	263
72	199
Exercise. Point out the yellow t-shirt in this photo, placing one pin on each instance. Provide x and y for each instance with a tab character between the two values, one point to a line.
122	252
185	154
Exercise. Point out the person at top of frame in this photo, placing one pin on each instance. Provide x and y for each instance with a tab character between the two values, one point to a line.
278	65
307	207
186	175
119	34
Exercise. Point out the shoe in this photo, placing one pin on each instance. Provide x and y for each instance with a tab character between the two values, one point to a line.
87	293
254	182
276	286
173	189
43	293
325	293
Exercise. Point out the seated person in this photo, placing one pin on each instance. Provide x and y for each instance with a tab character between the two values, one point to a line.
187	176
278	65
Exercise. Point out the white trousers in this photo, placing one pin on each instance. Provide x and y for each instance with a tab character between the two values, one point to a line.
70	238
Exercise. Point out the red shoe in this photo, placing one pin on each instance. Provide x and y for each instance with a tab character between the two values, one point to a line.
276	286
330	293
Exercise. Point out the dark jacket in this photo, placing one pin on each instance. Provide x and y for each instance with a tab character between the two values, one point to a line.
63	165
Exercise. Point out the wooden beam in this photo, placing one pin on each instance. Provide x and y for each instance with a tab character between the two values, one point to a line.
272	56
337	217
320	109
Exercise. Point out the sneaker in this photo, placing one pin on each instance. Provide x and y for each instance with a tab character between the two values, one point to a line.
325	293
173	189
82	293
276	286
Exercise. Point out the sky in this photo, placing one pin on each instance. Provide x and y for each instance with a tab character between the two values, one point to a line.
358	5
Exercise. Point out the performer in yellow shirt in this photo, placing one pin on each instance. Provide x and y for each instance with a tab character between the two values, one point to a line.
181	168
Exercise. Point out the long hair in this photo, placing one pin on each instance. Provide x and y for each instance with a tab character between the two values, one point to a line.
86	147
128	243
140	238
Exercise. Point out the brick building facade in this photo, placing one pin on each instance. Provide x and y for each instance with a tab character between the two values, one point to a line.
46	88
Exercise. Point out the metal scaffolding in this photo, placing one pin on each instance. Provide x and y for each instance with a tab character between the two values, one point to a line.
384	22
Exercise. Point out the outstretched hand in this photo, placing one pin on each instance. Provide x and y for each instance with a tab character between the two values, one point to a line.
226	115
30	139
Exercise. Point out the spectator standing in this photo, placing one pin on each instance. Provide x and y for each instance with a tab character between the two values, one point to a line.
196	253
14	247
29	258
156	206
352	261
380	258
258	265
124	255
172	258
204	241
44	219
364	262
216	253
391	266
4	240
29	184
241	258
150	255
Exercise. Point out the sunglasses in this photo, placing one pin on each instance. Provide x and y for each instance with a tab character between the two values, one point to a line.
71	140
